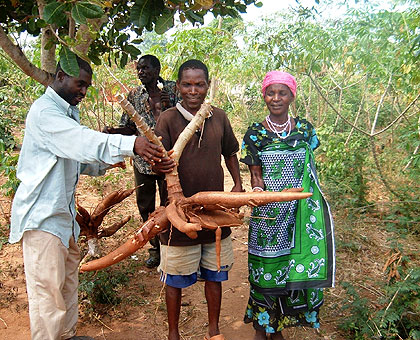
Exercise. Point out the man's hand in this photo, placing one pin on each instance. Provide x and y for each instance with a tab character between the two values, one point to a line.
164	167
119	165
126	131
164	99
108	129
150	152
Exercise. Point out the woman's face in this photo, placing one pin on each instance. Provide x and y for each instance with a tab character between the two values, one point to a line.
278	98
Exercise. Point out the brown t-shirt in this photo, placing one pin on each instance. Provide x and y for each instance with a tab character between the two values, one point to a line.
199	168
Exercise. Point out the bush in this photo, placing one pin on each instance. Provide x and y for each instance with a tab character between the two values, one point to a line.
397	318
341	165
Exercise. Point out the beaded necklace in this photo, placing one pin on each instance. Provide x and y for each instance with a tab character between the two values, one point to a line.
280	129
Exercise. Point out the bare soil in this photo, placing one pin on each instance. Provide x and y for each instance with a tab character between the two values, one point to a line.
141	313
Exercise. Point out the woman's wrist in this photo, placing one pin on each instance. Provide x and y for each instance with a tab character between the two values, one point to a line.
257	189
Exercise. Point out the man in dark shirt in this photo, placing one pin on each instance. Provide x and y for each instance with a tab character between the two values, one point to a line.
199	169
149	99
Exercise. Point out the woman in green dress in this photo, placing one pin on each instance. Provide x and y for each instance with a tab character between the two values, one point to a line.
291	244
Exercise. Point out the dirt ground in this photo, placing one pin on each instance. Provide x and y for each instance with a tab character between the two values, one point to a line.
141	313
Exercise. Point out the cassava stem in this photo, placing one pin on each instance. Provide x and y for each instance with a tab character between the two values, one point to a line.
139	121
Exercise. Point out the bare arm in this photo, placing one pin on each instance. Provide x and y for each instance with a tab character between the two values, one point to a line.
127	131
233	166
256	177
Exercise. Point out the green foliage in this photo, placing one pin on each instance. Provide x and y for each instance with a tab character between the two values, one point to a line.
102	287
403	217
98	291
107	22
397	318
341	167
8	160
8	165
357	322
7	140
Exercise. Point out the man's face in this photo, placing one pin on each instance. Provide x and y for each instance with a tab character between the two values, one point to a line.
193	87
146	72
72	89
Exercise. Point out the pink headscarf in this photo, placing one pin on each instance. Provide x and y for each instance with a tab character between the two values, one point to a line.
278	77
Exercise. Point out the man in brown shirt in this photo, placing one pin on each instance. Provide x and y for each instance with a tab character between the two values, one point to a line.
182	258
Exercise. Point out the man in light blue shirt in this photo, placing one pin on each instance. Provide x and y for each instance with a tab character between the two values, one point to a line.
56	149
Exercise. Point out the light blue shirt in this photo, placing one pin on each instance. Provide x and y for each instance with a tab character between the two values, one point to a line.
53	148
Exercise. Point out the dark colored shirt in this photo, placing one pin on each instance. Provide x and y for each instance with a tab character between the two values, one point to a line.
199	168
258	137
139	98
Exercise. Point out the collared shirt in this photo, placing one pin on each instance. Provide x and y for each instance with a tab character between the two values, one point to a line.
139	98
53	148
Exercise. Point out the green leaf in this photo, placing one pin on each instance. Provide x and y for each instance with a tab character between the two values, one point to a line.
32	27
54	13
164	22
95	59
85	10
68	62
141	13
124	60
41	23
258	4
121	39
193	17
132	50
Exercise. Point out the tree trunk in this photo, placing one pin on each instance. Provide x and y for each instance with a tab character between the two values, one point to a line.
48	62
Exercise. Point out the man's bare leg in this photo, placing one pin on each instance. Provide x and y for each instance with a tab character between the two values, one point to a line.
173	306
213	292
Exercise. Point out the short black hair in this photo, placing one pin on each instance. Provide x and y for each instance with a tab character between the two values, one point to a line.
154	61
83	65
193	64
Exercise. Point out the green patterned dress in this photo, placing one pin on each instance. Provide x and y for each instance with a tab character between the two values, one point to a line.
290	244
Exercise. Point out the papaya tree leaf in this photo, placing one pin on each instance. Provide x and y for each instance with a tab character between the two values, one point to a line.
68	62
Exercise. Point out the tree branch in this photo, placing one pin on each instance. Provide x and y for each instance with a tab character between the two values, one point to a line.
399	117
350	123
334	109
15	53
378	109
